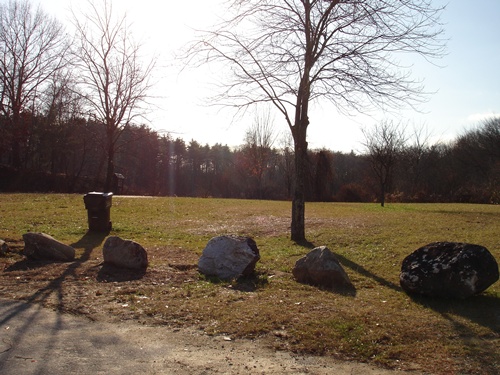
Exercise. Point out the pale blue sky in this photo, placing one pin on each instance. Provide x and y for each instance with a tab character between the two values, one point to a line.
467	85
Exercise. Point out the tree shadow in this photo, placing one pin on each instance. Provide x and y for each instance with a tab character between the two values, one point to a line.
89	242
481	309
343	290
369	274
305	243
12	311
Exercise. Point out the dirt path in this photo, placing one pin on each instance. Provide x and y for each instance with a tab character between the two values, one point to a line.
34	340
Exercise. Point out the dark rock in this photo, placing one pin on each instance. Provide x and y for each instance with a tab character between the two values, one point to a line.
41	246
320	267
448	269
229	257
124	253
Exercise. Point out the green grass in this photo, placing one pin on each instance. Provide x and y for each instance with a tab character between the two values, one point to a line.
380	324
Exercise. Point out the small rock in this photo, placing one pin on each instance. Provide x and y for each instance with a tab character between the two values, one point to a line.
320	267
124	253
41	246
448	269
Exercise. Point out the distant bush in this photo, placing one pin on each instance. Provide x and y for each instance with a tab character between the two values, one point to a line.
352	193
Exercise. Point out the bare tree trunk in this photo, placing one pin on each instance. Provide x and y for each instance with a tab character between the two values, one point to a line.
110	170
299	132
109	174
298	202
382	193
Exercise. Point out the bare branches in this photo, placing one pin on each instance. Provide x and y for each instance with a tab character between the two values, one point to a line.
349	49
384	144
115	83
261	134
32	48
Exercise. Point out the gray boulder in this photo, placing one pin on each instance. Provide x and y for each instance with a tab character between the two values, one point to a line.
229	257
124	253
41	246
320	267
448	269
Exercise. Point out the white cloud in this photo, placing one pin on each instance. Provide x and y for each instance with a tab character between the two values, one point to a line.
479	117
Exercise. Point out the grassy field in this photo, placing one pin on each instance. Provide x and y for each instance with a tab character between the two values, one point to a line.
380	324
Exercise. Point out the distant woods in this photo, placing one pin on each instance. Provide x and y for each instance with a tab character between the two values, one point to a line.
67	154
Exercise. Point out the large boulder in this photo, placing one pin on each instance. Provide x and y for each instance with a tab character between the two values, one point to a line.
124	253
448	269
320	267
229	257
41	246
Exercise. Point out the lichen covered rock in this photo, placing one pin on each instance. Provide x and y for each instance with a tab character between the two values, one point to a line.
448	269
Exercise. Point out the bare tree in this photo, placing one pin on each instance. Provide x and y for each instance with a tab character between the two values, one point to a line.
258	149
292	52
261	132
384	144
114	81
32	49
415	155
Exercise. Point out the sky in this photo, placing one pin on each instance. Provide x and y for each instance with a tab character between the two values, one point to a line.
465	85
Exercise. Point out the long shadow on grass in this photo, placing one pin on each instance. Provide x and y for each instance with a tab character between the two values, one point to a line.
482	310
363	271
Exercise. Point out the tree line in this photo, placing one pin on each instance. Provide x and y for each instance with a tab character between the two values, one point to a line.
69	155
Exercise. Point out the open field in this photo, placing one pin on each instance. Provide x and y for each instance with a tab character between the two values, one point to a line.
380	324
